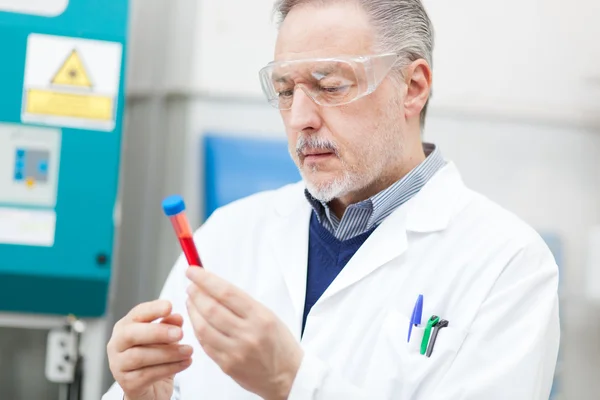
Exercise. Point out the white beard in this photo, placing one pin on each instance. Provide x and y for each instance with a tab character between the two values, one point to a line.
327	191
376	156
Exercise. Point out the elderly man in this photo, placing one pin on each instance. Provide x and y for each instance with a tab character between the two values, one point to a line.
379	276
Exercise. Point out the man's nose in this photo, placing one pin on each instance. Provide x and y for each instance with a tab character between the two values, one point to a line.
304	113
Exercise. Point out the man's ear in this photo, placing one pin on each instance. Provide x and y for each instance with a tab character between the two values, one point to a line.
418	82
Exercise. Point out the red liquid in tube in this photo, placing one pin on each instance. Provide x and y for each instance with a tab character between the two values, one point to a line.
189	249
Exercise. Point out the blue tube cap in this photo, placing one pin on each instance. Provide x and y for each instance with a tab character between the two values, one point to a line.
173	205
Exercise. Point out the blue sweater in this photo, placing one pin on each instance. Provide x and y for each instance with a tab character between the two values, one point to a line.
327	256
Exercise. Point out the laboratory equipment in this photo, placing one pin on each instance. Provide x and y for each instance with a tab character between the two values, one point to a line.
61	111
64	361
174	208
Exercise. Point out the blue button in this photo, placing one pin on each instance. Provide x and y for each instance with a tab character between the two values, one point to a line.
20	153
19	164
18	176
43	166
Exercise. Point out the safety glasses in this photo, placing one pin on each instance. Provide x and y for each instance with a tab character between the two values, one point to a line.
327	81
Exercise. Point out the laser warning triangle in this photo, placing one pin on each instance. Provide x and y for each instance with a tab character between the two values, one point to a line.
72	72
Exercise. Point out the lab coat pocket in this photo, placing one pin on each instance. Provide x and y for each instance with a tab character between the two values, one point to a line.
395	334
416	336
416	371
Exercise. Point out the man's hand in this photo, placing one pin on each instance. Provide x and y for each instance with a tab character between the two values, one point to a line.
242	336
143	356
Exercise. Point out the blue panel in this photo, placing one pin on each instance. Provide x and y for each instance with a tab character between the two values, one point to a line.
556	247
554	243
88	177
237	167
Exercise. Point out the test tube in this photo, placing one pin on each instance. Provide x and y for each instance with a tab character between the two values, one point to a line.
174	208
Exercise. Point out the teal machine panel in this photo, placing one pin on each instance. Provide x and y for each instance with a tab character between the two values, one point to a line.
61	110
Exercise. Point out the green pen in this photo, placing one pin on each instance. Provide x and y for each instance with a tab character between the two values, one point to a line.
430	324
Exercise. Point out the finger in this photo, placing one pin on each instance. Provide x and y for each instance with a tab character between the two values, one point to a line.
146	376
140	334
224	292
206	333
150	311
213	312
146	356
173	319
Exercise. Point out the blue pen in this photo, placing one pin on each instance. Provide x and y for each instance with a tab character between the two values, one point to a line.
415	319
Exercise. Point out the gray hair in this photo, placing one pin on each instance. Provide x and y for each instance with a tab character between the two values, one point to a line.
401	26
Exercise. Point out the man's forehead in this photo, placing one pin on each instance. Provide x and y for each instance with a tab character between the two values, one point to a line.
324	31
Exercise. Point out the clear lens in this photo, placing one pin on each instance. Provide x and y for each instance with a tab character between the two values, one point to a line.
329	82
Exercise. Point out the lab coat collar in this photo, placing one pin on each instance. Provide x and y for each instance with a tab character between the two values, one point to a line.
437	202
430	210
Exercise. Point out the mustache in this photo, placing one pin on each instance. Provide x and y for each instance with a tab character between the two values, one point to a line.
315	143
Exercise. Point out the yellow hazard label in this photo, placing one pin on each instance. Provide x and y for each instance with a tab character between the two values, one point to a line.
72	72
69	105
71	82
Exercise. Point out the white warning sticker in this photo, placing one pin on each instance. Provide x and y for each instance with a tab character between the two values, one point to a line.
71	82
27	227
47	8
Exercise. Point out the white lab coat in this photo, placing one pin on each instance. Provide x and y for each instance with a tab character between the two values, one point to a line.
477	265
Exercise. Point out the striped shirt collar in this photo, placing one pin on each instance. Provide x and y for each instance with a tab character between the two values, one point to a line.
361	217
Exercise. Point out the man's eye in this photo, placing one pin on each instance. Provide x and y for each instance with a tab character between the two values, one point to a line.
335	89
286	93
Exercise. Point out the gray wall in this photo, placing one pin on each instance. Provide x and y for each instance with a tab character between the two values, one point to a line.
22	361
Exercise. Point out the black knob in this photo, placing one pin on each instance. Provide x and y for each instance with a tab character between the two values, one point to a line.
101	259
